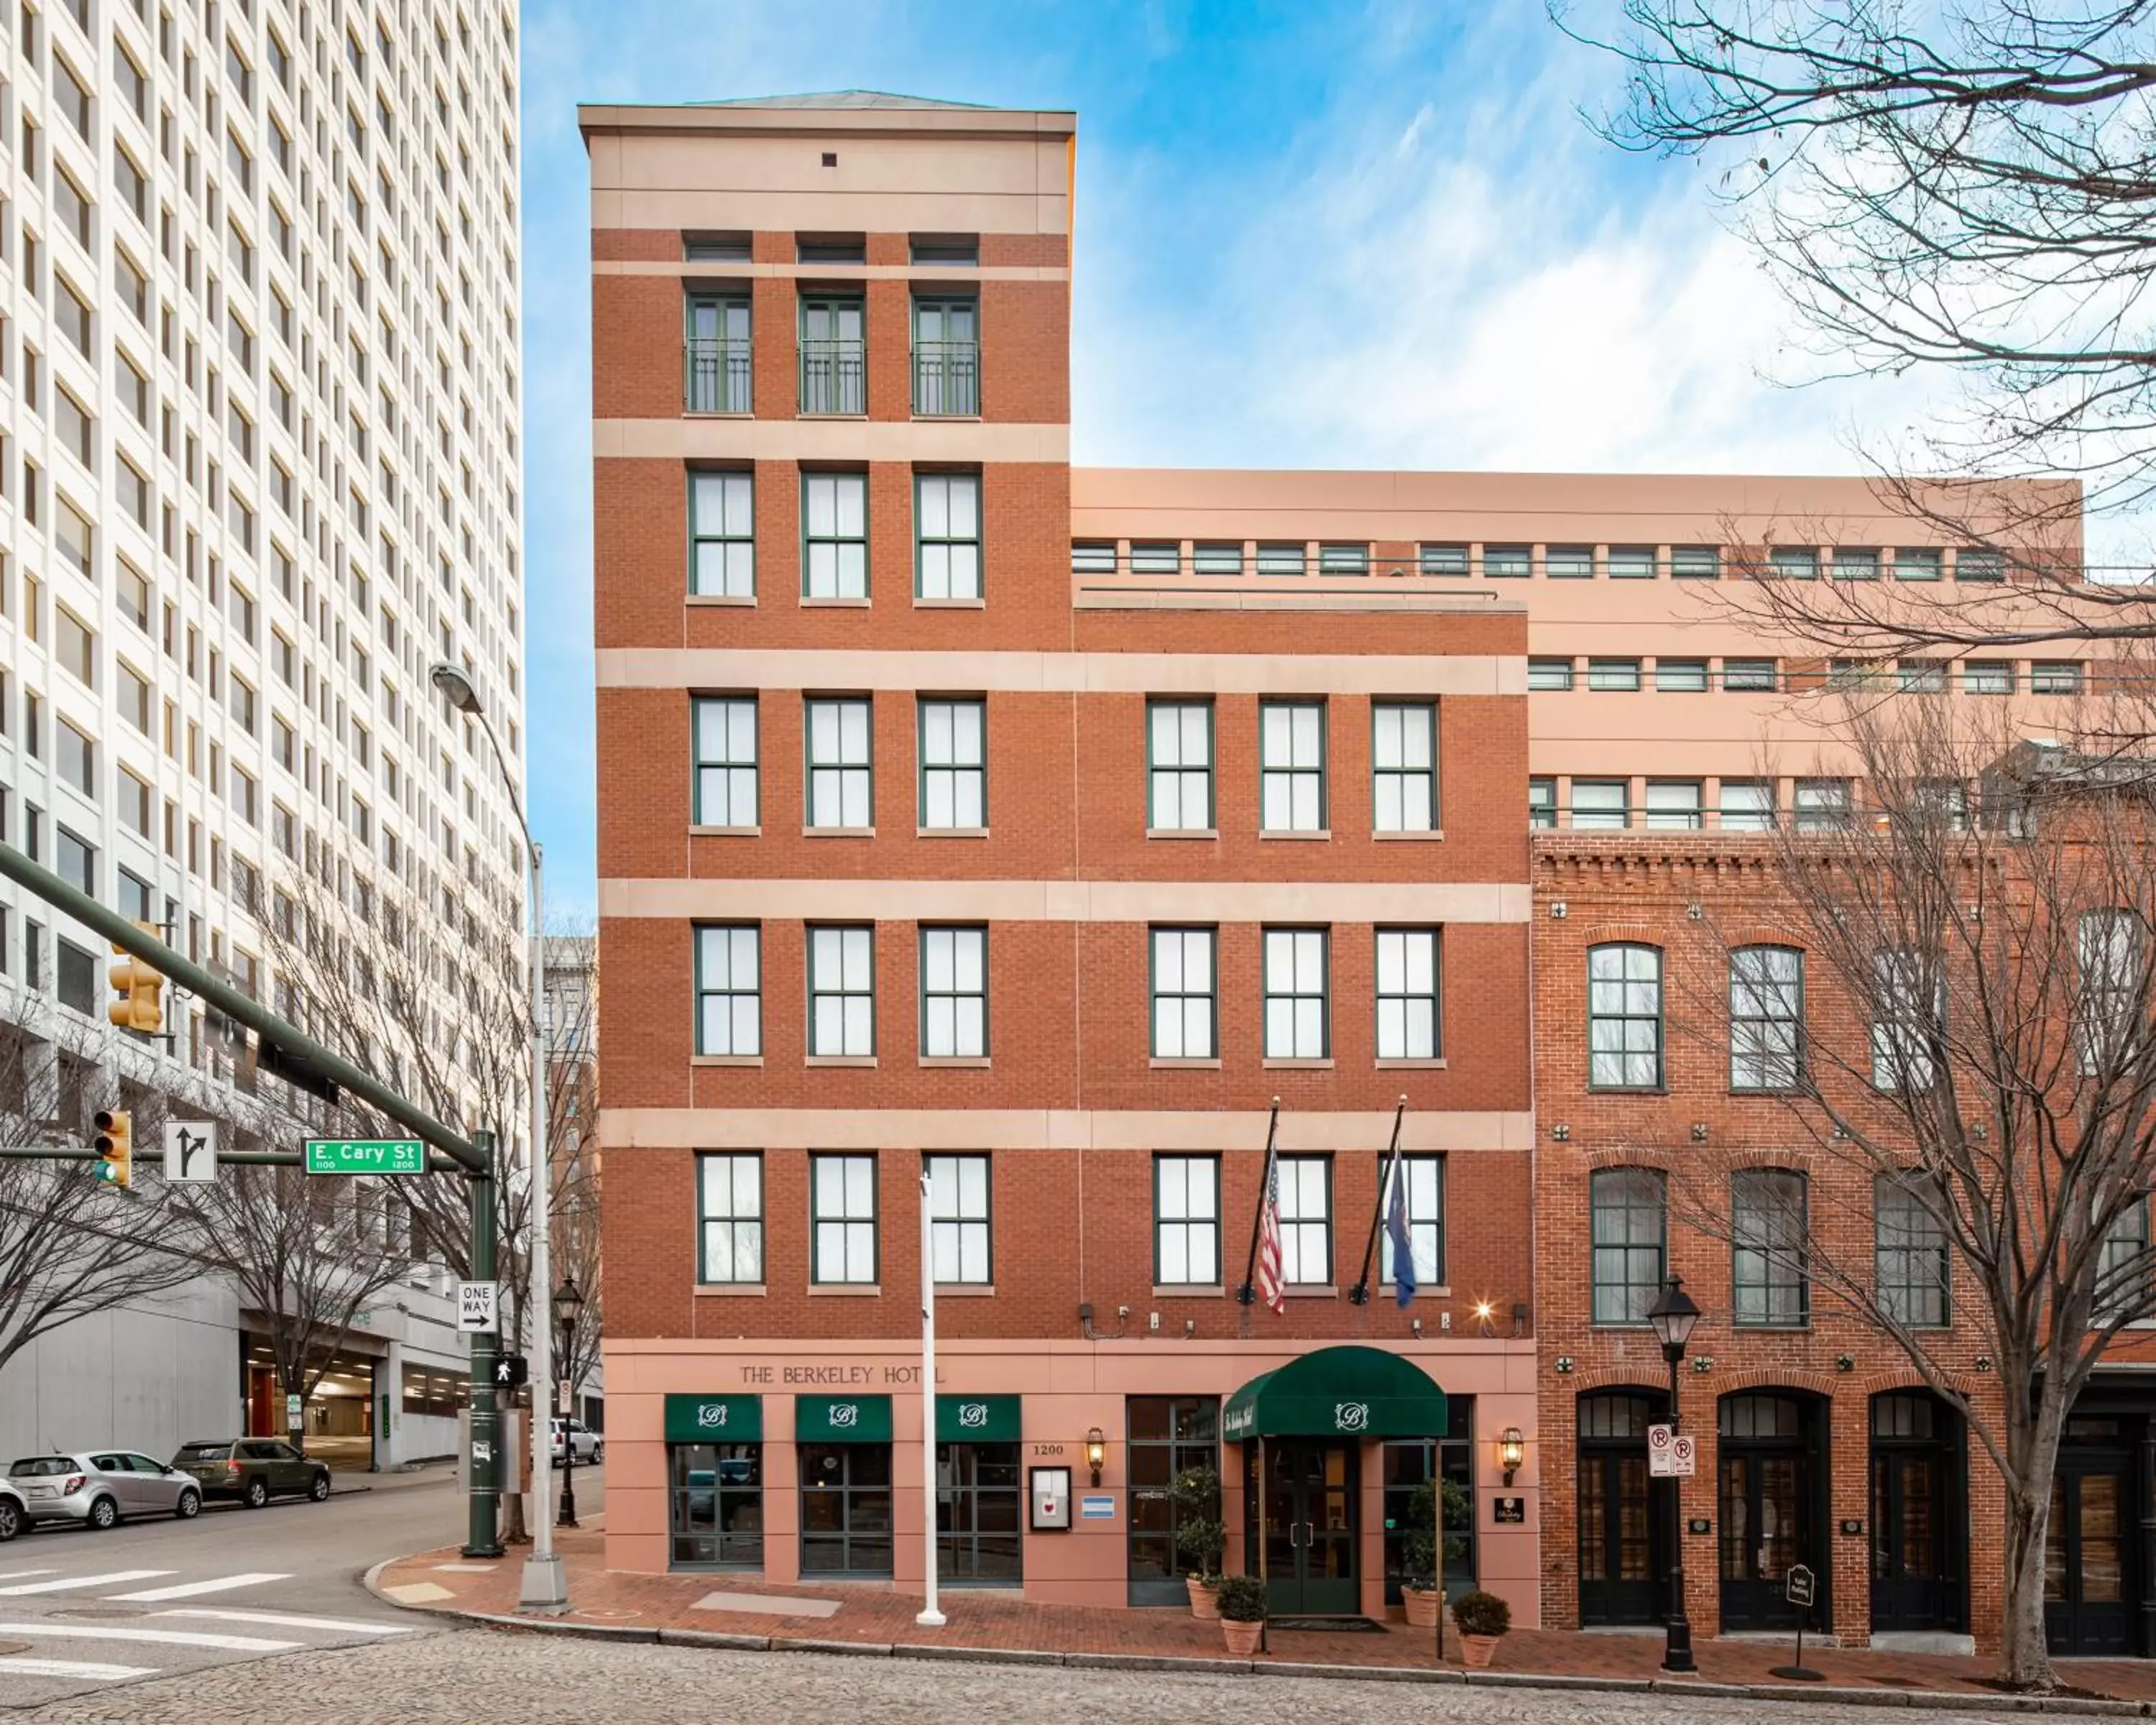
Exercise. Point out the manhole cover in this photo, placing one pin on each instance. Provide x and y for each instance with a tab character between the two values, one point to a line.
96	1612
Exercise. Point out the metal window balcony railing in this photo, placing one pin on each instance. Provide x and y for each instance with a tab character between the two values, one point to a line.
833	377
717	376
946	378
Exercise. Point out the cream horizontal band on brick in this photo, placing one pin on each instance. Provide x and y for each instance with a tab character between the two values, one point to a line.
848	439
1056	1129
1406	674
1455	902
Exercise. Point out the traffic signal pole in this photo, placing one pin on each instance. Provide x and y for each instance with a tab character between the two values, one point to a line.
303	1061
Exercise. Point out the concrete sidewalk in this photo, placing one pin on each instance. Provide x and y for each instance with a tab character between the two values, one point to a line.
731	1611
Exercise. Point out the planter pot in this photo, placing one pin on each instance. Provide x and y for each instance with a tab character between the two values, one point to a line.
1421	1607
1479	1651
1242	1638
1204	1602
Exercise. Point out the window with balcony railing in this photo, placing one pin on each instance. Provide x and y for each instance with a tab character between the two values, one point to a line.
947	357
833	356
718	367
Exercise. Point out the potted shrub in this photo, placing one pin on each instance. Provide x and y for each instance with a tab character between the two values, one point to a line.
1242	1602
1420	1589
1481	1619
1199	1535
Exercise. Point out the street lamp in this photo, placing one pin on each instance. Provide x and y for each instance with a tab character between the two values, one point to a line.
545	1587
568	1308
1673	1316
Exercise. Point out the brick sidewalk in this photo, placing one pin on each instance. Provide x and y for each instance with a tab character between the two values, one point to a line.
869	1616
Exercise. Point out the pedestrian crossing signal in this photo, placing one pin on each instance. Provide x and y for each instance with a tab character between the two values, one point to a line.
139	1008
511	1371
114	1145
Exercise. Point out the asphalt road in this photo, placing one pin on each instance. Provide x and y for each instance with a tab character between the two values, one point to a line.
122	1614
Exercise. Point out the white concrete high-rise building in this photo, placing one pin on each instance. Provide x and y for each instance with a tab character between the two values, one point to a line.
260	467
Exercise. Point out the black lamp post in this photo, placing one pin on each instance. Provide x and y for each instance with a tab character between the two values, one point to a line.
568	1308
1673	1316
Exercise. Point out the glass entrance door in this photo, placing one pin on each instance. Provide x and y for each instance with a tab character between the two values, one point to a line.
977	1513
1310	1531
1771	1502
2085	1554
1916	1515
1624	1540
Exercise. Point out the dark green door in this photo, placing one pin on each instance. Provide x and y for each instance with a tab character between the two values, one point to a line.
1310	1529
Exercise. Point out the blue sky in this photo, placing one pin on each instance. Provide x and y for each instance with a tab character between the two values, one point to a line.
1314	235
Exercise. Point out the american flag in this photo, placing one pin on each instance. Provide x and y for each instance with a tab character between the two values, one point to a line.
1270	1283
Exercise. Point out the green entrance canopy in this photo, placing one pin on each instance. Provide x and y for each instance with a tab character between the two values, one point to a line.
1338	1392
842	1419
977	1418
714	1419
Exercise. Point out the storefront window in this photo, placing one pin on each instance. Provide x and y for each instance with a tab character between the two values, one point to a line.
1167	1433
977	1513
845	1509
717	1496
1407	1465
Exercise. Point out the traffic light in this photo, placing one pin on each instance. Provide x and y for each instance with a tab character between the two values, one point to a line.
138	987
115	1147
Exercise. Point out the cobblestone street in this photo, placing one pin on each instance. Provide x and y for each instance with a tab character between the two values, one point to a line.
473	1675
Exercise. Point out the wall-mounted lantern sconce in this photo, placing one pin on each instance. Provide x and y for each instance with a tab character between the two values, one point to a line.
1096	1452
1511	1451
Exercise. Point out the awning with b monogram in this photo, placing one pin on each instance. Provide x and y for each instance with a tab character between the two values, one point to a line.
1338	1392
977	1418
842	1419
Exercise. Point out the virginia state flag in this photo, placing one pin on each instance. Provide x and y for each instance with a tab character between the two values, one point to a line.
1396	1230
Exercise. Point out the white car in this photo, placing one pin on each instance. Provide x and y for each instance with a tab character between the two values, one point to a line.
590	1445
14	1513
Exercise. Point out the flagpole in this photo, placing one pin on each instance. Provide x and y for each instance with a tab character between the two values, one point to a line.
1248	1293
930	1617
1265	1579
1387	1172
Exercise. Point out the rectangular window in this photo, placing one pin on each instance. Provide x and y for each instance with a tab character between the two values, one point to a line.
730	1214
1631	562
1627	1217
1613	675
1749	676
1914	564
1298	1024
1217	559
1924	676
1696	562
953	749
1974	565
1911	1262
1508	562
1601	805
1179	766
947	550
1443	559
1407	994
1092	558
1794	562
843	1210
720	364
725	762
1545	675
834	516
1766	1018
954	993
729	991
833	355
1569	563
840	794
2061	677
1185	1011
1623	1017
2111	954
1680	676
1305	1221
1767	1230
1186	1221
1423	1178
722	535
1156	557
1988	676
2123	1266
75	859
1541	803
1404	766
73	646
1292	765
1822	804
1673	805
959	1238
1855	562
841	992
1907	1006
1280	559
947	357
1343	559
75	756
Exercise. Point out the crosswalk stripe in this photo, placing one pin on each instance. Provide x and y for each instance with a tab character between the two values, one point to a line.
113	1579
73	1668
289	1620
39	1628
191	1589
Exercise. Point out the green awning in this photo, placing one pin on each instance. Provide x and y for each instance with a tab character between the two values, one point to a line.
977	1418
1338	1392
842	1419
714	1419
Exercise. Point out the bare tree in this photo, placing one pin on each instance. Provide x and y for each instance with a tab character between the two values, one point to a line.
1977	1082
1966	189
69	1245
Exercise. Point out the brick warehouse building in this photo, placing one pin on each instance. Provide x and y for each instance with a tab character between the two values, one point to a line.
1130	822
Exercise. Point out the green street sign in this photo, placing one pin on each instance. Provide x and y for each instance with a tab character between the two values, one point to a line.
366	1156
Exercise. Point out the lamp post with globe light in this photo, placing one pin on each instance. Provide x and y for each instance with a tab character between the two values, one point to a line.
1672	1317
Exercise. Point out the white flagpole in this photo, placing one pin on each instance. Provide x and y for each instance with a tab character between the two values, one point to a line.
930	1617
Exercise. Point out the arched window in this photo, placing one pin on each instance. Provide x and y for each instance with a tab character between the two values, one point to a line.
1766	1018
1624	1017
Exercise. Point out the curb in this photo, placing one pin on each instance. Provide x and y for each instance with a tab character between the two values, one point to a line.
1844	1695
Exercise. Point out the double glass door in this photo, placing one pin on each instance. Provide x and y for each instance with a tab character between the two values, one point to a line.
1770	1485
1916	1514
1310	1528
1622	1541
2085	1554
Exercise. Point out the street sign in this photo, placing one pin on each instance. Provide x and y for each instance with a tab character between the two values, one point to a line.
366	1156
1671	1454
566	1403
476	1301
1797	1587
291	1413
191	1151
